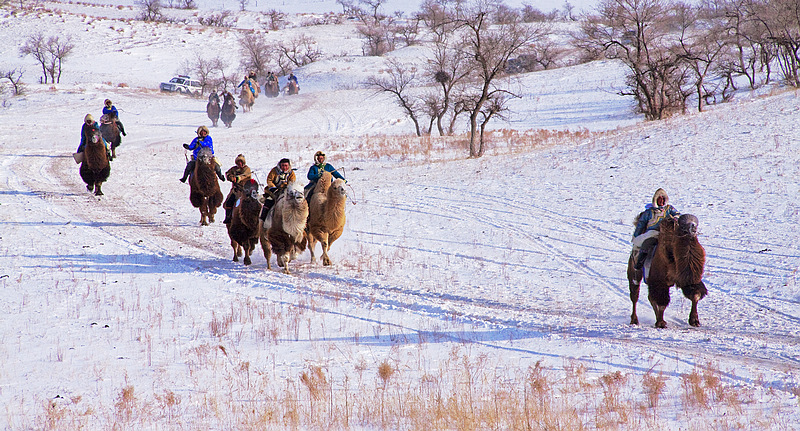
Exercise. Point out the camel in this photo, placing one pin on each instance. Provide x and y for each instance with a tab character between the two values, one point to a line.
246	98
213	110
678	260
228	113
110	132
326	215
284	229
204	184
291	88
95	168
271	88
244	225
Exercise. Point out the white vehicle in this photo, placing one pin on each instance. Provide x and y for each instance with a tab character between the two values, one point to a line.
183	85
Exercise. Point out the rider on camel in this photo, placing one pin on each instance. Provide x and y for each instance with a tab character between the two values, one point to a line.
202	140
90	125
278	178
315	173
111	110
645	236
238	175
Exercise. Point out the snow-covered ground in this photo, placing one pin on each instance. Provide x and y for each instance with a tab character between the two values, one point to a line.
123	311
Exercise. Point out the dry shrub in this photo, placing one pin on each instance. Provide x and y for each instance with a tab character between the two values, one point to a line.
653	387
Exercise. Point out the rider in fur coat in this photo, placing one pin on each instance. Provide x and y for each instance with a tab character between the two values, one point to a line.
647	223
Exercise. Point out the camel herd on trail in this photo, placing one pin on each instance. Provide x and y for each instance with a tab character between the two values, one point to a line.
247	97
291	224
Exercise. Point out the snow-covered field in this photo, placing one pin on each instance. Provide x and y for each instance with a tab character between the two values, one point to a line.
122	311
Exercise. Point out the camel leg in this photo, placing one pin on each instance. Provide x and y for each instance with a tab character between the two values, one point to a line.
634	283
97	191
312	242
694	292
235	247
694	319
90	187
266	250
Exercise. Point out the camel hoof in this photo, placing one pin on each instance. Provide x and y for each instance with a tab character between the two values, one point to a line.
235	258
695	323
98	193
247	260
662	324
634	320
326	262
90	187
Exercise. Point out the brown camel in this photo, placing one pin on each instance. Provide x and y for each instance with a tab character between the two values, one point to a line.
95	168
205	193
678	260
243	228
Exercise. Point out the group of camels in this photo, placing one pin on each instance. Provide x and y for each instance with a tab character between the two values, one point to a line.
247	97
292	223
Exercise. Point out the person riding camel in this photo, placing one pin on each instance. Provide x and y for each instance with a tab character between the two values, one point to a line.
111	110
645	236
247	79
238	175
278	178
271	77
315	173
202	140
89	125
293	78
213	97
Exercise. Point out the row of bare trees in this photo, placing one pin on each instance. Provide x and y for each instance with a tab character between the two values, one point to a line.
472	45
677	51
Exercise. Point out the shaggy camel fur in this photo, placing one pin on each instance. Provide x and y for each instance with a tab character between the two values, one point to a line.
204	185
284	229
228	113
95	168
678	260
326	216
243	228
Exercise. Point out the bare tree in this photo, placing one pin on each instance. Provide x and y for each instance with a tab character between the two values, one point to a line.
489	46
276	20
782	19
149	10
255	53
14	77
640	34
36	47
298	51
243	4
209	71
398	82
449	68
50	52
58	50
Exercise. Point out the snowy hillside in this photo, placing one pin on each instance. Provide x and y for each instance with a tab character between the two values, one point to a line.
460	290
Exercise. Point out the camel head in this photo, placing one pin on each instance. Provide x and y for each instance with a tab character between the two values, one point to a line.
294	193
205	156
337	187
251	189
687	225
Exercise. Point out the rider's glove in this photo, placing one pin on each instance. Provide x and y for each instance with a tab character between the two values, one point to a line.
186	146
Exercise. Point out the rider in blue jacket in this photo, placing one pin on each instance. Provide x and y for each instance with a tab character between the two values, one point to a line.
202	140
111	110
315	172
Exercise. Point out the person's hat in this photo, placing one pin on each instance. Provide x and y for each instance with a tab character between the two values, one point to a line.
88	119
202	128
319	153
284	161
107	102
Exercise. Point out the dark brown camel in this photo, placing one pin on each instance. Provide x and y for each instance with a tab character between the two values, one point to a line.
291	88
205	193
213	110
678	260
110	132
243	228
228	113
271	88
95	168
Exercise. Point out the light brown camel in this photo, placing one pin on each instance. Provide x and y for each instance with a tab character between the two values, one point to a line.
326	215
246	97
284	229
204	184
243	228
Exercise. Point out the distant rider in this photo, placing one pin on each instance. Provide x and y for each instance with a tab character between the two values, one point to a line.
111	110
